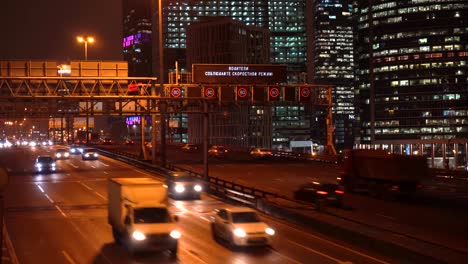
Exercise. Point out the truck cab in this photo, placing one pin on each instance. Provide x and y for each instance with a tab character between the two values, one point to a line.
139	215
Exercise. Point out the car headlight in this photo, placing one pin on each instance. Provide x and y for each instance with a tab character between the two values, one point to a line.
66	154
197	188
86	155
175	234
270	231
38	165
239	232
179	188
73	150
95	154
137	235
58	155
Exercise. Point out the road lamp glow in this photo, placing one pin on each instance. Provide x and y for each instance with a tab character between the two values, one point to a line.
85	41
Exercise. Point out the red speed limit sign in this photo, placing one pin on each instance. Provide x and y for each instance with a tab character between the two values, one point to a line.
210	92
274	92
176	92
305	92
242	92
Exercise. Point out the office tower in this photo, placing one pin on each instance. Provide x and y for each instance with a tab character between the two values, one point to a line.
137	44
284	19
332	62
412	71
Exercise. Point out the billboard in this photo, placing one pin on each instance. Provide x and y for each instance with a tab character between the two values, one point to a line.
239	73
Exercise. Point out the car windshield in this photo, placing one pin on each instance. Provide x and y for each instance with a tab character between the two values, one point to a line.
89	150
185	178
151	215
61	150
245	217
45	160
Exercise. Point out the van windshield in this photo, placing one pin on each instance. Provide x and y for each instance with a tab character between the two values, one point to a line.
151	215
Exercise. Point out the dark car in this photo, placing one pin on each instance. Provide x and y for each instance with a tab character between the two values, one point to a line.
61	154
44	164
129	142
319	193
107	141
89	154
75	149
189	148
217	151
183	185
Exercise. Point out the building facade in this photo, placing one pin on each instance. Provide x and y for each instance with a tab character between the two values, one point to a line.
137	35
284	19
412	72
331	58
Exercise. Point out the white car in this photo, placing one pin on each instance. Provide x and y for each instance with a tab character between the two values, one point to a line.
240	226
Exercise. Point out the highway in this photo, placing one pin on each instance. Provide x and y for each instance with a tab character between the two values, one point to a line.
62	218
437	215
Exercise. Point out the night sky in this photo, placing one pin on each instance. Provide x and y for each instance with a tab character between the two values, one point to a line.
47	29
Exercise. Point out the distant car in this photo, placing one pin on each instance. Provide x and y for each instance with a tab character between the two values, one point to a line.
107	141
181	184
261	153
89	154
217	151
61	154
240	226
44	164
129	142
189	148
75	149
317	192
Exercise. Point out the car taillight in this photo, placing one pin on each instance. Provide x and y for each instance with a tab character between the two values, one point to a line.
395	187
339	191
419	186
322	192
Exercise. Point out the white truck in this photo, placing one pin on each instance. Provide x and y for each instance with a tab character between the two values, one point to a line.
139	216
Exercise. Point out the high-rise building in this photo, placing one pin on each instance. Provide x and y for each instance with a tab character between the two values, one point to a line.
412	70
284	19
137	44
332	61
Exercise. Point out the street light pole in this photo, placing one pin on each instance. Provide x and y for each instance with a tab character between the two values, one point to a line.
85	41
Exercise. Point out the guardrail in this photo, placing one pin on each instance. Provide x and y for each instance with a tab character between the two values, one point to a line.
227	189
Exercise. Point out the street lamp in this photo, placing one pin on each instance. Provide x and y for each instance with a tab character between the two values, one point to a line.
86	41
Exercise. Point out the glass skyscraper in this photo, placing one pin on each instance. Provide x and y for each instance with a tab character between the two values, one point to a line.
412	70
332	61
284	19
137	44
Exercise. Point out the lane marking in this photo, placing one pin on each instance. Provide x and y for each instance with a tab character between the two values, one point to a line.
107	165
60	210
94	191
194	255
40	188
325	240
92	166
68	257
284	256
204	218
74	166
317	252
50	199
9	245
106	172
386	216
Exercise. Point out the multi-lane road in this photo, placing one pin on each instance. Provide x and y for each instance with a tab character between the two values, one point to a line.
62	218
438	215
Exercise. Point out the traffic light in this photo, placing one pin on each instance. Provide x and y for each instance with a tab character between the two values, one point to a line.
176	92
304	94
274	93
